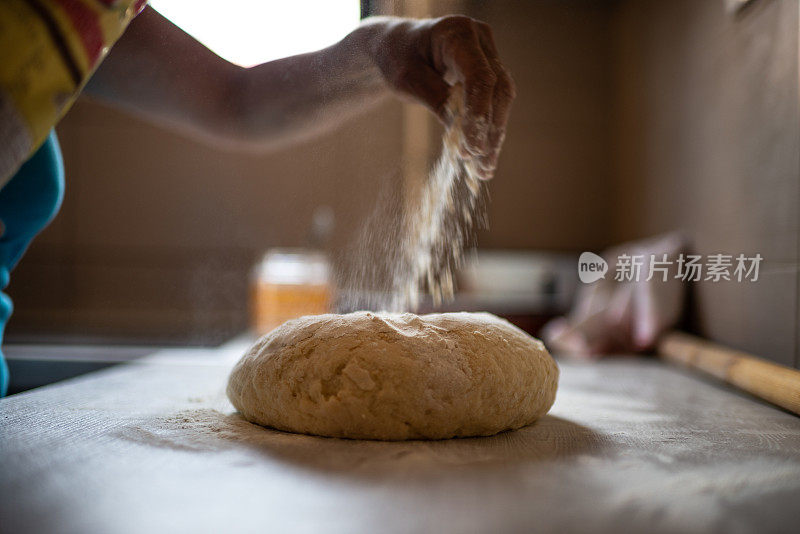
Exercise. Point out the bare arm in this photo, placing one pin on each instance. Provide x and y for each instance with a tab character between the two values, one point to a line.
159	71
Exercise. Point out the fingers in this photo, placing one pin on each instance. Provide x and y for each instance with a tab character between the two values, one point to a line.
427	85
463	60
428	59
467	53
502	98
478	79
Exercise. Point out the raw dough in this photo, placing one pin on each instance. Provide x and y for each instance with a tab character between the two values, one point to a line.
386	376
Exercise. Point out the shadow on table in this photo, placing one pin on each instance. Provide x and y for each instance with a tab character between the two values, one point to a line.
204	430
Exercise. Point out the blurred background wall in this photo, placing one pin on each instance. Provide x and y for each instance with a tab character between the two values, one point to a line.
158	233
707	135
633	118
554	183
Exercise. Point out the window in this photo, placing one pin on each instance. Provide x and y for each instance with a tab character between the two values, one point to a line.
249	32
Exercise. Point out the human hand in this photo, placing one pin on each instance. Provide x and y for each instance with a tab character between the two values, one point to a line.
425	59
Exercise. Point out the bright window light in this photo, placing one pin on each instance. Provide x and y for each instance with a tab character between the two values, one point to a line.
249	32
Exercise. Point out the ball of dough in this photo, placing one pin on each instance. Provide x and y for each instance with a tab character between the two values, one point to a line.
388	376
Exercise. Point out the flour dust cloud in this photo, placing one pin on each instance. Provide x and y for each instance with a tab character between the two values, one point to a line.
407	249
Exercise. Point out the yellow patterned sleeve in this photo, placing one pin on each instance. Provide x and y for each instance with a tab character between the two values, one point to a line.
48	50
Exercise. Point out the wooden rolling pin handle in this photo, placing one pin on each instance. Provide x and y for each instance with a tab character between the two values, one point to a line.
775	383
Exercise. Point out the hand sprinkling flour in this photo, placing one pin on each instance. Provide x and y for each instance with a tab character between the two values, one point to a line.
412	243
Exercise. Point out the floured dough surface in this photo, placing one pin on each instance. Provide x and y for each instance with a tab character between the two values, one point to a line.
367	375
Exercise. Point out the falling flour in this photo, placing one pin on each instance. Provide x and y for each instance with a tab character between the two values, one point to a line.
405	251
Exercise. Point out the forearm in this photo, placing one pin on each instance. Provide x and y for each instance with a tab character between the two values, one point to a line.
305	94
158	71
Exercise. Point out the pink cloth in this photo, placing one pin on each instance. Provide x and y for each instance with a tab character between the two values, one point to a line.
623	316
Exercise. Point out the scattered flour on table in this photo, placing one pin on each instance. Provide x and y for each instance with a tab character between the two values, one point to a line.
202	429
211	431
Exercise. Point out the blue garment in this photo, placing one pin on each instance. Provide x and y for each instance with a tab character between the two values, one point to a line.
28	202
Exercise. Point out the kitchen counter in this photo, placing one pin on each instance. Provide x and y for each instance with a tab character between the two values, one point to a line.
631	444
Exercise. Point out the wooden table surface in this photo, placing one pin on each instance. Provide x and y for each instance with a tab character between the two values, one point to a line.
630	445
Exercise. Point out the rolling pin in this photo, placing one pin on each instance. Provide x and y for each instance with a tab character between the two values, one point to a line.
772	382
